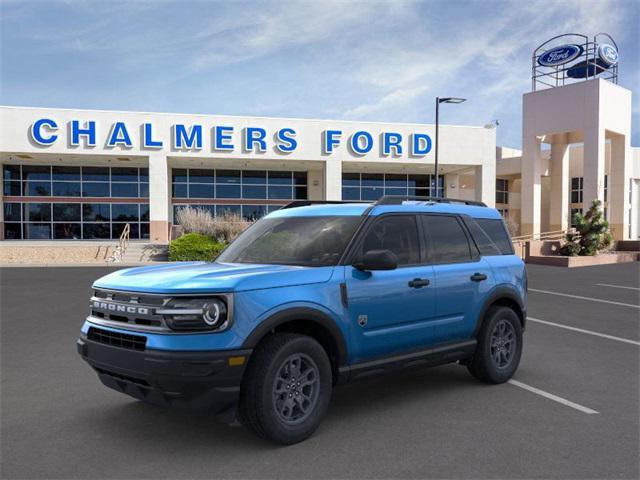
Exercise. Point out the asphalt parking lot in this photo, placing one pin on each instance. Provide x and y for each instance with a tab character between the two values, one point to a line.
572	411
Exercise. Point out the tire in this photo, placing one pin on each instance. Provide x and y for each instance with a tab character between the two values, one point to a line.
271	403
497	363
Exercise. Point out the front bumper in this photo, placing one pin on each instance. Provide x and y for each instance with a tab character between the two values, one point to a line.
207	380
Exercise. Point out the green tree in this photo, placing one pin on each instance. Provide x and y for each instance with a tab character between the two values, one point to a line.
592	233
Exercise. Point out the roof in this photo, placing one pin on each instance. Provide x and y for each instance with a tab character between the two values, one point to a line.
357	209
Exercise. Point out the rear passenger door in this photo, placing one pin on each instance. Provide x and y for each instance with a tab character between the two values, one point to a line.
462	277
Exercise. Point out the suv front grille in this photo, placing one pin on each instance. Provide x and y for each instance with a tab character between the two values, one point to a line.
117	339
135	310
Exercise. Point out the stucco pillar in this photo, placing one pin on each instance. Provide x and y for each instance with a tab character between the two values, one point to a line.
593	167
618	188
332	179
531	186
315	184
452	185
559	195
159	198
485	183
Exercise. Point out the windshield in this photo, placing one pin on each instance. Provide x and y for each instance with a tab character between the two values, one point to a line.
305	241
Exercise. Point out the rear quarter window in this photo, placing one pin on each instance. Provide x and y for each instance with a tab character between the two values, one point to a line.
491	236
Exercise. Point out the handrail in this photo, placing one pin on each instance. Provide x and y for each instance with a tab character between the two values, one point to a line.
552	235
123	243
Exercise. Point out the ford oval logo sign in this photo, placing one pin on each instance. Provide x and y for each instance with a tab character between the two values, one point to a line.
560	55
608	54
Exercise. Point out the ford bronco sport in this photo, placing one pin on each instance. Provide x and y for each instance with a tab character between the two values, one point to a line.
311	296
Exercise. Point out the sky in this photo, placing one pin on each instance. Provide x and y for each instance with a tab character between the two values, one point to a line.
344	60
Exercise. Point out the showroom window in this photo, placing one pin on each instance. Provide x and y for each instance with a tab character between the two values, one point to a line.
78	202
372	186
74	221
258	191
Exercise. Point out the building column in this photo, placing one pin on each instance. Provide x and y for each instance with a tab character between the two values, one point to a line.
531	186
315	184
452	185
332	179
485	183
593	167
559	195
618	187
159	198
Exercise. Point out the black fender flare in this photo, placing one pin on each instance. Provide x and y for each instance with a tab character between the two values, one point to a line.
299	313
500	293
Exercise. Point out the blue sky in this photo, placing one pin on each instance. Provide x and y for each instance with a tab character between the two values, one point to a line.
367	60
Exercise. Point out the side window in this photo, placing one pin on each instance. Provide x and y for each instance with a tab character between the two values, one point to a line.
497	232
398	233
483	241
447	240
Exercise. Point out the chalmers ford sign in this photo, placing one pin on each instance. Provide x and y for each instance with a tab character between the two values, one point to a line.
222	138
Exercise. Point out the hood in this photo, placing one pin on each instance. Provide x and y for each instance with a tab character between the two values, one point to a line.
204	277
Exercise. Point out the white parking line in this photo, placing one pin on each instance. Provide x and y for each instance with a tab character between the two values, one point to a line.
616	286
589	332
553	397
585	298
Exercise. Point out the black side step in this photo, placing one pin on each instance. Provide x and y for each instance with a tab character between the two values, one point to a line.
431	357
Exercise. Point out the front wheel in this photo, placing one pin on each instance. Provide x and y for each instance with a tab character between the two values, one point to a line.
287	388
499	346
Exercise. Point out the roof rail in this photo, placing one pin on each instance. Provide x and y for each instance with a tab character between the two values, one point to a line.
398	199
306	203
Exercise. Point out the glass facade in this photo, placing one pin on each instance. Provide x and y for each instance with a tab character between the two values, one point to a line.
78	202
250	193
372	186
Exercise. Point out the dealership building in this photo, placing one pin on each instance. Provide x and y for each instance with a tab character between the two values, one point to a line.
86	174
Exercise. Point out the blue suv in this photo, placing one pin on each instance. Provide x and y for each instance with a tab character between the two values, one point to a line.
311	296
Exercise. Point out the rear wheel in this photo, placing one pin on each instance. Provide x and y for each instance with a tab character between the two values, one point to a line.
286	389
499	346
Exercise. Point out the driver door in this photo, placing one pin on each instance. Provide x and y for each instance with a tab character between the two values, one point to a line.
390	311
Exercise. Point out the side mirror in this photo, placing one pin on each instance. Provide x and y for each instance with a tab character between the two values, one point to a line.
377	260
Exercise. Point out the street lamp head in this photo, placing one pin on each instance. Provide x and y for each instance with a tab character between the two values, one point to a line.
451	100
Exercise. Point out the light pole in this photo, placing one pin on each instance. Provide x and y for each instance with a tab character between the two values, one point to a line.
438	102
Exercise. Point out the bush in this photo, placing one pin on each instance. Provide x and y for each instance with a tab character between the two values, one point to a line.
591	235
194	247
223	228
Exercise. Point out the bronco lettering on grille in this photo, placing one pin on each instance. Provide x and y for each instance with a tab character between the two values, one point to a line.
116	307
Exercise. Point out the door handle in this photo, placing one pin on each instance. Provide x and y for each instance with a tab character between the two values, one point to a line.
418	282
478	277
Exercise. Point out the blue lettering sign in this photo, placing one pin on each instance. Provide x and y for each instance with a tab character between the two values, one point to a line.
359	147
255	136
391	140
186	139
119	136
420	144
330	140
89	131
608	54
37	134
147	137
286	140
221	137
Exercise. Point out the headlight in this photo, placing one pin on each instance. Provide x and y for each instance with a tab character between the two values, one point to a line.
196	314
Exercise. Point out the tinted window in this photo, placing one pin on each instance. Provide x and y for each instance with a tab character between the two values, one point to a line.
447	240
396	233
482	240
309	241
497	232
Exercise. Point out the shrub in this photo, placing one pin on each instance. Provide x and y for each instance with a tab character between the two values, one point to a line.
223	228
591	235
194	247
